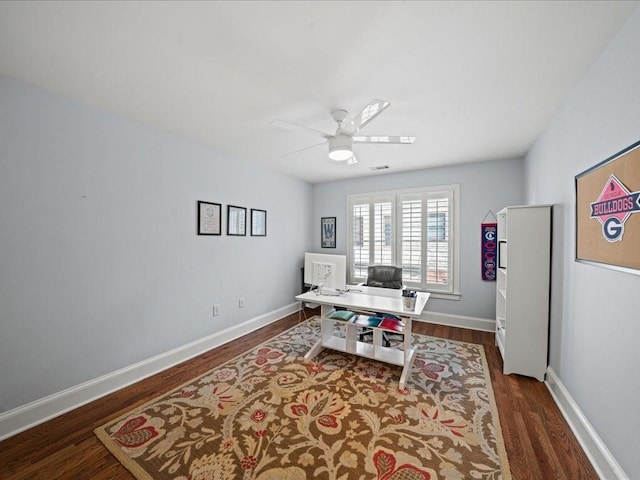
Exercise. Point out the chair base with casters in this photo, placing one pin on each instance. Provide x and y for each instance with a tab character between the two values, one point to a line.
386	342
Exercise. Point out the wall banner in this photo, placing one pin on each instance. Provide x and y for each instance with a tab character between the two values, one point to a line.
488	248
607	200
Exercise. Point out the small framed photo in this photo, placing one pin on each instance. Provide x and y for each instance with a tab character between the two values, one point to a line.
258	223
328	232
209	218
236	220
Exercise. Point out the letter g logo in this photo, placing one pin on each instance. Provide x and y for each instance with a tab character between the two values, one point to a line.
612	229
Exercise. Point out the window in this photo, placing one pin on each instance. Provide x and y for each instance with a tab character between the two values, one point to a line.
357	231
437	227
415	228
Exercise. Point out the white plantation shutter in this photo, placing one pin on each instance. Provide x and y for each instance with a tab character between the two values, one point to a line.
412	240
371	239
360	240
414	229
382	238
437	242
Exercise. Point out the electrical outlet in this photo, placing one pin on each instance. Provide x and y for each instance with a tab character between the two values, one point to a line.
241	303
216	310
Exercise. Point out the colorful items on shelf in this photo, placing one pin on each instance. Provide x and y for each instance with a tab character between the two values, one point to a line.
384	321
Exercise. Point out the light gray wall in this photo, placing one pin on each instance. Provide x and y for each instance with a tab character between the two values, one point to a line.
595	322
483	186
100	264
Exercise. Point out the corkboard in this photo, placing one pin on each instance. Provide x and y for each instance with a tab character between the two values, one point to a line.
608	211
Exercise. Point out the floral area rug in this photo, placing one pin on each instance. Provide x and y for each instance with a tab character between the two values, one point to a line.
269	415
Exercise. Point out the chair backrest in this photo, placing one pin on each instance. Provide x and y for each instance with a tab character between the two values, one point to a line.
384	276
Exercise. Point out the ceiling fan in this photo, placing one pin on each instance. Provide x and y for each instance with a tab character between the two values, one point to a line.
341	142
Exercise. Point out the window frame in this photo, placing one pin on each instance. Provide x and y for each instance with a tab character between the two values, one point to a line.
396	197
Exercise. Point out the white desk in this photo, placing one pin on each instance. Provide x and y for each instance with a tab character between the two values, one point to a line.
363	302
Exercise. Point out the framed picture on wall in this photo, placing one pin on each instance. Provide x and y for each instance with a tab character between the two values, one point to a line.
608	212
328	232
236	220
209	218
258	223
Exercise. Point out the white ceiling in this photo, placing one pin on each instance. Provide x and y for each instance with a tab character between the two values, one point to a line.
473	81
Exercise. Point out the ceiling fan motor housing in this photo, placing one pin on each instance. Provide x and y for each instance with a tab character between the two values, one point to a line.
340	147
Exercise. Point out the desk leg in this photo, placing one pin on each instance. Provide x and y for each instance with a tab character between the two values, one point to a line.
406	370
315	350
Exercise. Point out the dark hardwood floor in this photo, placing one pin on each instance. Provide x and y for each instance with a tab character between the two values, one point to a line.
539	443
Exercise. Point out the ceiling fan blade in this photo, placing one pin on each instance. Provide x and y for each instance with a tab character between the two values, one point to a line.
305	148
368	113
297	127
392	139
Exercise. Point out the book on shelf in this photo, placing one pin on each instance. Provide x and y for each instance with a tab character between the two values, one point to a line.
388	315
344	315
391	318
391	324
366	320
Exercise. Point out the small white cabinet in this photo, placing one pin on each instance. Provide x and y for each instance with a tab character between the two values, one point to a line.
522	289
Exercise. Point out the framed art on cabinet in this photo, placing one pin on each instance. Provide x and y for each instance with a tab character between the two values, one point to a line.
209	218
236	220
258	223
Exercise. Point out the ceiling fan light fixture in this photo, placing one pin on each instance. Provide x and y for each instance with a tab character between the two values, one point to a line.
340	154
341	142
340	148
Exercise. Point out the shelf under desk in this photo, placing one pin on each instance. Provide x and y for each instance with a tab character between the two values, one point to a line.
366	302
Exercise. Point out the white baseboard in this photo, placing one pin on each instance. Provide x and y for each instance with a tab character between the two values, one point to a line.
460	321
34	413
601	458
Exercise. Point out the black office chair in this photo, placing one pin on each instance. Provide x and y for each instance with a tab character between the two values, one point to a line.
382	276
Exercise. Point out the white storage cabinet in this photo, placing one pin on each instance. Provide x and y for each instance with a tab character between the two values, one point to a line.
522	289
